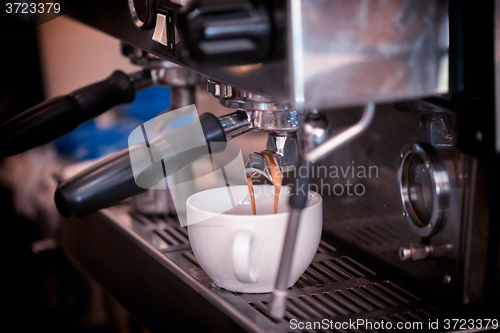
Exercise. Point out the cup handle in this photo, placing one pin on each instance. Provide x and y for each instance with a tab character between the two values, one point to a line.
241	256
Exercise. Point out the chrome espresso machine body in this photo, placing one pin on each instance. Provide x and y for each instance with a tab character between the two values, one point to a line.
392	108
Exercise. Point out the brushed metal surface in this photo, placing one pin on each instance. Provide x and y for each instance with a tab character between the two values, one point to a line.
342	52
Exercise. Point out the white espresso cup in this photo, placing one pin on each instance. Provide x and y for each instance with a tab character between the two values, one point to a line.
241	251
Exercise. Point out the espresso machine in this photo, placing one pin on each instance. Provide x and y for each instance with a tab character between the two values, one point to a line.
390	106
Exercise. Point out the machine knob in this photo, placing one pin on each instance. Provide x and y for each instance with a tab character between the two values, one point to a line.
226	32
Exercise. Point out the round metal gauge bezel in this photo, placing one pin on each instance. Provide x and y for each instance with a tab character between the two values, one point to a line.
440	185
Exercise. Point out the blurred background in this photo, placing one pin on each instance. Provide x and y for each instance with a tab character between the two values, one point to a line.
45	292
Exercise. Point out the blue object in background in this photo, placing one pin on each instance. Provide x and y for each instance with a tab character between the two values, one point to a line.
88	141
148	103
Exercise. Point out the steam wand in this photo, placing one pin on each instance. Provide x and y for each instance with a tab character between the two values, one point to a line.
298	200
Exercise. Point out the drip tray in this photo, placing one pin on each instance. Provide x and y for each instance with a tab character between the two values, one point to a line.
148	265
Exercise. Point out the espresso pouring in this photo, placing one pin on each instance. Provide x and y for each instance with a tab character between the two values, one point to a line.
276	180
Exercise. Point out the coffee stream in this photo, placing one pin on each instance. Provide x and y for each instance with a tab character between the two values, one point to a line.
252	195
276	180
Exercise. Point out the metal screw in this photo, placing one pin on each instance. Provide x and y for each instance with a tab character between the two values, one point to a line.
404	253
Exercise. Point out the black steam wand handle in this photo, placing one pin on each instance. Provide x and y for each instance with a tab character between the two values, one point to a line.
112	180
60	115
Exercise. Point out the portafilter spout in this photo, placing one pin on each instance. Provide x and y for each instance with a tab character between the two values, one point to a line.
283	147
257	163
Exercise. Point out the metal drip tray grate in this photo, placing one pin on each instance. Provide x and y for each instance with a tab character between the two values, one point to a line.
374	302
332	270
148	265
335	287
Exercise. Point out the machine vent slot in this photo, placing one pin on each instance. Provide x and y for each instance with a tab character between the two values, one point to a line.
396	291
354	300
262	308
139	218
330	306
380	296
318	306
303	308
332	270
325	271
388	296
182	230
361	293
171	235
306	280
321	308
169	239
299	309
178	233
350	263
427	315
343	268
325	247
342	305
189	255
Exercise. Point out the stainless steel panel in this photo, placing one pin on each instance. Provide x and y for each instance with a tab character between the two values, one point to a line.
375	221
341	52
347	52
